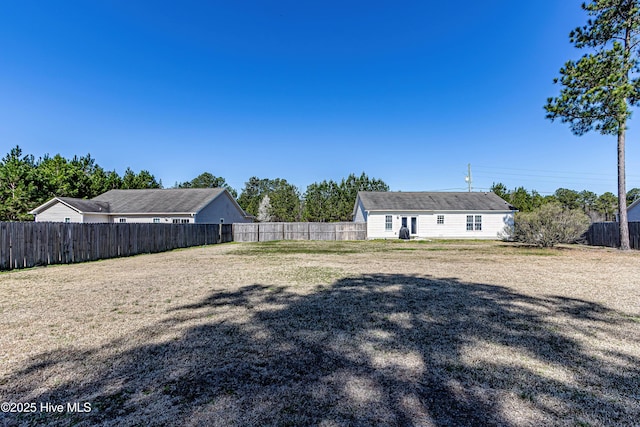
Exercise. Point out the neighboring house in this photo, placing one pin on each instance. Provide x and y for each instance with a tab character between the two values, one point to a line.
172	206
633	211
433	214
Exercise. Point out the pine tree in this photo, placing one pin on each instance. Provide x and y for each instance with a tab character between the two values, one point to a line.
600	88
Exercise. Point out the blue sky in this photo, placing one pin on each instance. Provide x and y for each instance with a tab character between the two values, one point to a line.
409	92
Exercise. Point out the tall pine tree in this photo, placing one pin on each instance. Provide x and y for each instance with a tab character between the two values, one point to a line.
600	88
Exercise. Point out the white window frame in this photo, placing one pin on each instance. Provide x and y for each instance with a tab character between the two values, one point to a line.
440	220
388	223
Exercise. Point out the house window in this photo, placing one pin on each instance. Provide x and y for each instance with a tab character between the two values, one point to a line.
469	222
156	220
388	223
67	219
181	220
121	220
440	219
478	222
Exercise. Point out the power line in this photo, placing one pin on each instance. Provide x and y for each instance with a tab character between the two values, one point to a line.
552	179
537	172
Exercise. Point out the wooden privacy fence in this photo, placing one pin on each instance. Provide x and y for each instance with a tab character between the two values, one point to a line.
28	244
267	231
608	234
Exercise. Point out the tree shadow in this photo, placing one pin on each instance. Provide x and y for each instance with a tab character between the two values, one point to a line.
370	350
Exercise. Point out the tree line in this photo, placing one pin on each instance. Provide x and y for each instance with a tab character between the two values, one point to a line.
26	183
326	201
601	207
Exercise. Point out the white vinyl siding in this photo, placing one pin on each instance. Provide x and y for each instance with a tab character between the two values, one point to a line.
97	218
491	224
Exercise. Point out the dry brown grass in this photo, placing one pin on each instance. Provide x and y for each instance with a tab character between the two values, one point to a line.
329	333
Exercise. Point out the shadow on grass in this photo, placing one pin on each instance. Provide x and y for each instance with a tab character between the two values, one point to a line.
371	350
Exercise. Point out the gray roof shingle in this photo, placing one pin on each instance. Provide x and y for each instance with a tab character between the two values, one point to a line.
432	201
83	205
184	200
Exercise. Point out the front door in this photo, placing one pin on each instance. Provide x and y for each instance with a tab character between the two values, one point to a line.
414	224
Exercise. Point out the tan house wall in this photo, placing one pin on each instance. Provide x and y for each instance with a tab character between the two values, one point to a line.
58	213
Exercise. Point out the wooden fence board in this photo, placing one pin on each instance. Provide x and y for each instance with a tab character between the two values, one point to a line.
269	231
296	231
5	244
54	243
322	231
351	231
27	244
608	234
17	245
246	232
227	233
4	247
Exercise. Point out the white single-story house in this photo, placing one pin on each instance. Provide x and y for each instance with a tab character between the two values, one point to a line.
468	215
170	206
633	211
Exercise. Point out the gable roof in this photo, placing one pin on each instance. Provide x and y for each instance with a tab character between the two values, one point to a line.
78	205
183	200
633	205
431	201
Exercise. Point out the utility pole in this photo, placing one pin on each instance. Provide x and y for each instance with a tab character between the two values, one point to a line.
468	177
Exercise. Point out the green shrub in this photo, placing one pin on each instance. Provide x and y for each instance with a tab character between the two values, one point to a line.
549	225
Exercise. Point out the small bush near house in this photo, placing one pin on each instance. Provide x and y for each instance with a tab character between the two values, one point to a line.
549	225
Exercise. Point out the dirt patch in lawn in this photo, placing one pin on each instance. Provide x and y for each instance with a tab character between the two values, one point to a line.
327	333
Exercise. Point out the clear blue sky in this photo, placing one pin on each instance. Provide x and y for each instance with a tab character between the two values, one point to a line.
406	91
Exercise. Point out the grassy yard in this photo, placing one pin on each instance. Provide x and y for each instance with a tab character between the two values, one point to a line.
330	334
